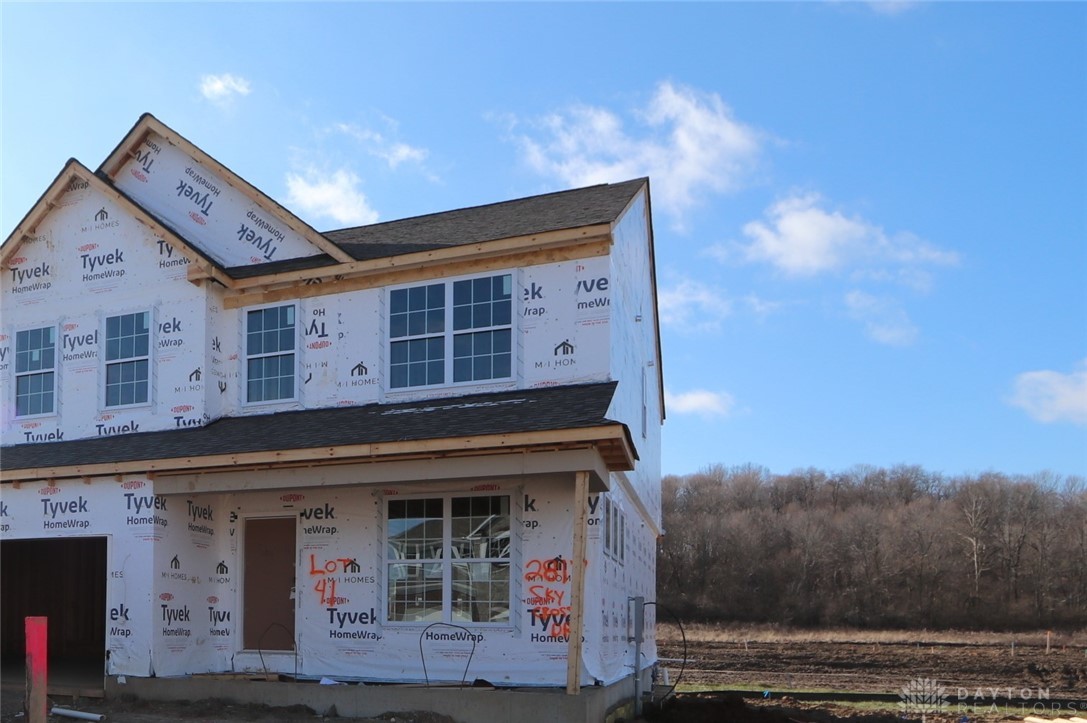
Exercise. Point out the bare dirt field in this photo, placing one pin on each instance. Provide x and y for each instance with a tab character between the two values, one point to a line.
980	675
882	661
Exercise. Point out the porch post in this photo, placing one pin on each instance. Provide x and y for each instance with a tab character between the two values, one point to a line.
577	583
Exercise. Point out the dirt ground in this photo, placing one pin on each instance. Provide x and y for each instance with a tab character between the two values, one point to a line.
132	710
887	667
983	668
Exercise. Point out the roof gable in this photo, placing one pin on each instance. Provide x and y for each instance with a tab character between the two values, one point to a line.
75	176
230	220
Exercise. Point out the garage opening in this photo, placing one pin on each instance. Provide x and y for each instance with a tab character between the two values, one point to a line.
65	581
268	589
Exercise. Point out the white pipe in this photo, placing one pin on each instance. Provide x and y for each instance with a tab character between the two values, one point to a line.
76	714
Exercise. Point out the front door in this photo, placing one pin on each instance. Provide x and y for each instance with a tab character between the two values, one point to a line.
268	589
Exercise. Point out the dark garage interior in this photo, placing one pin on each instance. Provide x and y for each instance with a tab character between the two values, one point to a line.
64	580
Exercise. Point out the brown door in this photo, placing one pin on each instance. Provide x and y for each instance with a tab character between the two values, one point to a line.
267	594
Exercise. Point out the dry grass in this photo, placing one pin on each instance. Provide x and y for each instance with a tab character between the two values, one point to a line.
668	632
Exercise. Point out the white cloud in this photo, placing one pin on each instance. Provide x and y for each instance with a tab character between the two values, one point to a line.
884	320
1049	396
392	152
334	196
690	306
221	88
700	401
801	238
687	141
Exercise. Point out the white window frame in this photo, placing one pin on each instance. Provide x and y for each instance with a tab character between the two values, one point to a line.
449	333
446	561
55	369
245	356
149	357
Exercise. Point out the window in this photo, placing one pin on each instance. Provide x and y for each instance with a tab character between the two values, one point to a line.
128	359
428	345
448	560
615	530
269	349
35	371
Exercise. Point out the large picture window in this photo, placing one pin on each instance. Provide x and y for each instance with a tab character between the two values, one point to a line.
269	348
448	560
128	359
35	371
461	331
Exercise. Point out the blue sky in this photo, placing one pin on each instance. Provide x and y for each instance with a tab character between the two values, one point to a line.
871	219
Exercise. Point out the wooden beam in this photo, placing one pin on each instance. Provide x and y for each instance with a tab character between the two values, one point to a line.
430	268
519	441
577	583
445	255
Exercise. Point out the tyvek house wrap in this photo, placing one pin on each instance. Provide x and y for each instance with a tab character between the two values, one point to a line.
175	598
200	205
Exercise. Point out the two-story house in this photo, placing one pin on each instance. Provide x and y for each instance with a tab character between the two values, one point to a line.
421	450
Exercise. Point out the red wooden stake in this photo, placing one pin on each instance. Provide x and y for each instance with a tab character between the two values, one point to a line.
37	647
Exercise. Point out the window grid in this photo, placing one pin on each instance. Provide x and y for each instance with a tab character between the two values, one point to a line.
474	342
270	340
128	359
448	559
35	371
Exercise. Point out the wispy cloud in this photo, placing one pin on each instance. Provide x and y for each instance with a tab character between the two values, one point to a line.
884	319
690	306
333	195
393	152
1051	396
892	7
687	141
223	88
701	402
801	238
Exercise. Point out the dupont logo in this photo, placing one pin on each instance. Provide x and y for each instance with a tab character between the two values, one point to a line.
166	596
133	484
390	492
17	261
49	490
70	327
31	425
104	417
319	344
182	408
198	218
87	247
3	337
486	488
254	259
212	599
292	497
138	175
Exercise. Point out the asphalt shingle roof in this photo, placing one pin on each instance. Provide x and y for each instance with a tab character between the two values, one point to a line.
532	410
536	214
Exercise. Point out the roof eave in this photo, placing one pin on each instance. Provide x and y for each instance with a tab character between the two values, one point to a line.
612	441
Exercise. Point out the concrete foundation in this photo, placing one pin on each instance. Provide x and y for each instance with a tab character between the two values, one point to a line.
596	704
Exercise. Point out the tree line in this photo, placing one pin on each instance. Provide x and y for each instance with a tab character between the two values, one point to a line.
875	547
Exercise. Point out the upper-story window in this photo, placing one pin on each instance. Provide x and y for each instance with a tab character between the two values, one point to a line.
269	347
448	559
35	371
460	331
128	359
